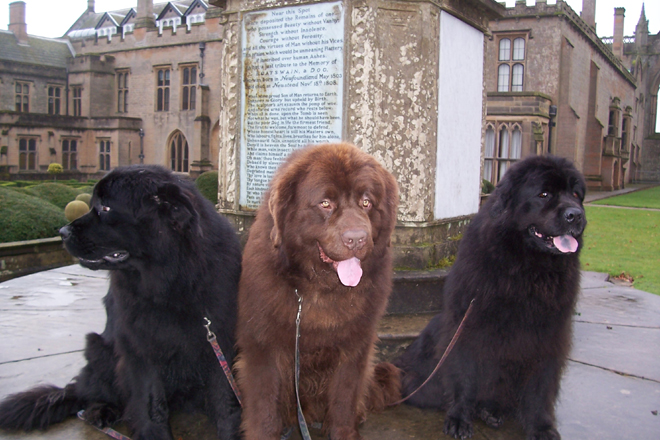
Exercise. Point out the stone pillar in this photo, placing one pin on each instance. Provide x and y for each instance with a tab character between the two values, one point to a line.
403	81
617	44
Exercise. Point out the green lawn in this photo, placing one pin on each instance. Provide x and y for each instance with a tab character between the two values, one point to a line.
648	198
625	241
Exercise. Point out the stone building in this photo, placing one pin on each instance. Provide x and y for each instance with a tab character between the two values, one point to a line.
119	88
555	87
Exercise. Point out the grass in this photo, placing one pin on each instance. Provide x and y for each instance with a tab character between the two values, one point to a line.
625	241
648	198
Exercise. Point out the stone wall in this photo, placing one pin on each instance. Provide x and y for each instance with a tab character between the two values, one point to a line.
26	257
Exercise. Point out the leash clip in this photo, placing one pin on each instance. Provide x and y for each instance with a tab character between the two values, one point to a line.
210	335
299	308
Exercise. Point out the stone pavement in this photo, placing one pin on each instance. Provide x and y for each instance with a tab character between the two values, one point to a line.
611	388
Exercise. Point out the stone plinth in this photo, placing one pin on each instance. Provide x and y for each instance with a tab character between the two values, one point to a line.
401	80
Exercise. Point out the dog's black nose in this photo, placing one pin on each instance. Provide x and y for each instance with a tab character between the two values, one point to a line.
65	232
354	238
573	214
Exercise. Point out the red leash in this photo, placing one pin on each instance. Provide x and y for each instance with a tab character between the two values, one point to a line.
458	332
210	336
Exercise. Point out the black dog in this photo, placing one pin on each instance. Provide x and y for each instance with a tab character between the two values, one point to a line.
519	262
173	261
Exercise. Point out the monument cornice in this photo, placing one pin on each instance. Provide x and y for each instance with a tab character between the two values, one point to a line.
474	12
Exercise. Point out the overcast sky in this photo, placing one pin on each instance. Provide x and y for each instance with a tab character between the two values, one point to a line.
52	18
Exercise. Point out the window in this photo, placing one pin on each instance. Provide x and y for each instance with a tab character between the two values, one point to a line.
503	78
189	89
501	151
70	154
22	97
612	124
104	155
163	92
77	100
517	79
518	49
122	92
54	98
179	153
27	154
625	133
489	154
511	67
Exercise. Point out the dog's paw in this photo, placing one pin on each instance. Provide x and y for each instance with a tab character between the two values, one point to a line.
545	434
490	418
102	414
345	434
153	431
458	428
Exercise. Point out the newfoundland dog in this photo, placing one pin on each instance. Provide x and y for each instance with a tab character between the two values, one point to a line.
519	262
321	235
173	261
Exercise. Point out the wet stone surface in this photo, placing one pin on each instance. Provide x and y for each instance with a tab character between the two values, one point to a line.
610	389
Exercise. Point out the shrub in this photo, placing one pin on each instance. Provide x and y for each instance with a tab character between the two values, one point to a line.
207	183
75	209
55	193
26	217
54	169
84	197
487	187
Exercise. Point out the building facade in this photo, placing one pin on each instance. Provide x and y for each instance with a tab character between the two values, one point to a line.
555	87
120	88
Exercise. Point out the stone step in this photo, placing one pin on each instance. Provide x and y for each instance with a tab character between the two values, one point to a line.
397	331
417	291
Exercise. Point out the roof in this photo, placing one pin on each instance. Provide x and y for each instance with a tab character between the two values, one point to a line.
90	20
39	51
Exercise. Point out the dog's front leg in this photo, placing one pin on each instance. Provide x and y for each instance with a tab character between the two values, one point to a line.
260	383
346	398
537	406
147	412
463	381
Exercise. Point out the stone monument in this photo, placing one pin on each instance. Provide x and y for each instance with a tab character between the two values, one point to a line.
401	80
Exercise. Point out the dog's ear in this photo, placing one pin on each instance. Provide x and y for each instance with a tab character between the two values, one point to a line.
176	204
502	197
275	233
281	194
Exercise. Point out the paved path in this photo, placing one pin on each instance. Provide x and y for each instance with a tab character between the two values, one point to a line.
610	391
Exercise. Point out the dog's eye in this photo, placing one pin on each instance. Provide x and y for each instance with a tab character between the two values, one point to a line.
325	204
366	203
105	208
544	195
576	195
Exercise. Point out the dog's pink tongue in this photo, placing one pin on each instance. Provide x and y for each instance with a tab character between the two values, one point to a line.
349	272
565	243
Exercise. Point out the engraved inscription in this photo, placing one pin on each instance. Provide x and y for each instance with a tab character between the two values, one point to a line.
292	88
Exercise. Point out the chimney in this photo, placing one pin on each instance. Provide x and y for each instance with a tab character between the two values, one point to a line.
145	14
17	23
588	13
617	44
90	5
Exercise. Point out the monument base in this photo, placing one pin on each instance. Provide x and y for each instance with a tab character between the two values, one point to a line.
415	245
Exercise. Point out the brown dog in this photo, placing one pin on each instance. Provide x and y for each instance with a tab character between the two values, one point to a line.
323	232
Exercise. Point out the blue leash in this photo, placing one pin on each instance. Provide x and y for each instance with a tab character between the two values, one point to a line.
301	418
